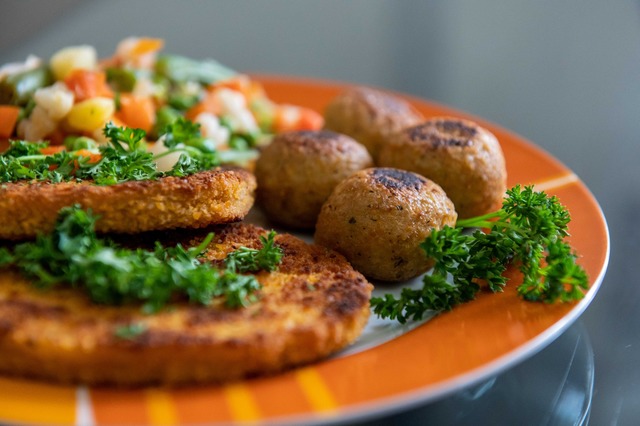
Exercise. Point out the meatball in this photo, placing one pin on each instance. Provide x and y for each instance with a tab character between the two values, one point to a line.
459	155
298	170
369	116
377	219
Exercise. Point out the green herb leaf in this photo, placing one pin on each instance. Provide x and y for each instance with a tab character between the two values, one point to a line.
250	260
74	255
528	231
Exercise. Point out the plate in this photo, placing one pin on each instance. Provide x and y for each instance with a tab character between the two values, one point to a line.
391	367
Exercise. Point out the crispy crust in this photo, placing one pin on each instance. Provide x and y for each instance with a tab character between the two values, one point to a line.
314	305
218	196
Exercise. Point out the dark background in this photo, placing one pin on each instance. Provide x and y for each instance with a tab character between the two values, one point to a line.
565	75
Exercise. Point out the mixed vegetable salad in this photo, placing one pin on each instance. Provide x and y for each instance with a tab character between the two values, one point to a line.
69	99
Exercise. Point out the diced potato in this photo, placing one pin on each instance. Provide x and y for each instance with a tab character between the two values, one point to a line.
91	114
71	58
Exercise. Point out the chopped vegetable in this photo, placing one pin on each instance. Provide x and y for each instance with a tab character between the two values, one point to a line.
121	79
124	159
66	60
76	94
8	118
74	255
137	111
180	69
17	89
528	232
74	143
91	114
87	84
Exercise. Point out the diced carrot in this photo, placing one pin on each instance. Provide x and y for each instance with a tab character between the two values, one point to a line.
87	84
289	118
309	120
137	111
93	156
209	103
147	45
240	83
8	119
50	150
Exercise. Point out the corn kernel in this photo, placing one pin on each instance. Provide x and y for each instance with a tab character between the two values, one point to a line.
91	114
71	58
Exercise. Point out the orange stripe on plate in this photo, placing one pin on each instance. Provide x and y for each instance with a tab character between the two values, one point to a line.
117	406
160	408
281	397
241	403
201	405
556	183
316	390
30	402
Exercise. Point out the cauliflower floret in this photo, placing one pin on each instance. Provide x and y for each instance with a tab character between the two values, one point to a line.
146	88
212	129
138	52
56	100
234	107
53	103
37	126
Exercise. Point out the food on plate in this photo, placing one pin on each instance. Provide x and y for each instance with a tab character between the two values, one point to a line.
298	170
121	183
462	157
369	116
311	304
528	232
377	219
76	92
216	196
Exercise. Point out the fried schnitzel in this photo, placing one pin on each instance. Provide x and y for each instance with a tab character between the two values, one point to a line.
222	195
312	306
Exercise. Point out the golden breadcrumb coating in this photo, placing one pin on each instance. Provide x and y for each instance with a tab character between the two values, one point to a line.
312	306
217	196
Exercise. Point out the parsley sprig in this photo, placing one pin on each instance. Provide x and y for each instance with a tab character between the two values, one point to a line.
249	260
124	158
528	232
74	255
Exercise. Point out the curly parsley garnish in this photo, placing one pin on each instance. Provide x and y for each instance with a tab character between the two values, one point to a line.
124	158
74	255
527	232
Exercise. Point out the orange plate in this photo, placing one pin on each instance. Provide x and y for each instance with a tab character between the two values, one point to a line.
453	350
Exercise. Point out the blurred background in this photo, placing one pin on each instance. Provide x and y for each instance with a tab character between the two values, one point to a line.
565	75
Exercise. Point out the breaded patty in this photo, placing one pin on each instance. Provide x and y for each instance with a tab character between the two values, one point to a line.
312	306
217	196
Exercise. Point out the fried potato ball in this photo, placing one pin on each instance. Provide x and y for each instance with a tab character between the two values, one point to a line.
377	219
459	155
298	170
369	116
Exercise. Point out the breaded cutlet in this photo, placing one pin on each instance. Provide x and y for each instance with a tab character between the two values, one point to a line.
221	195
313	305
